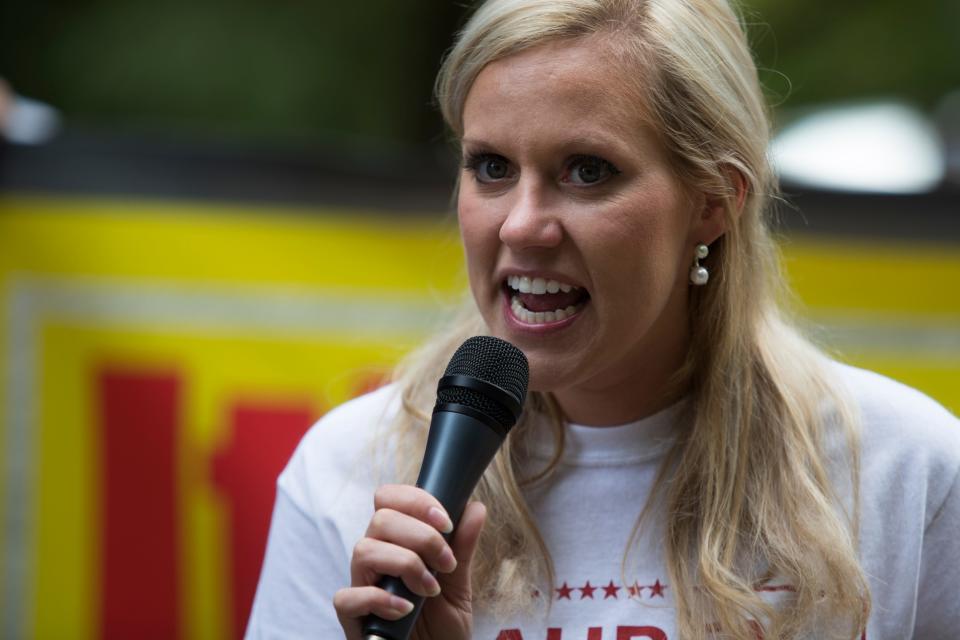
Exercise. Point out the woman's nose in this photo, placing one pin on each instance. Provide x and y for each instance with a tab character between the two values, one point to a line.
531	222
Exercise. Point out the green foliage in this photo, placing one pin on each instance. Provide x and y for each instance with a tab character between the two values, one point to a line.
262	67
314	69
857	49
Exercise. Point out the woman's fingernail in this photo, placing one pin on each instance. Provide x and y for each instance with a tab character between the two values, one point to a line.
430	584
441	520
400	605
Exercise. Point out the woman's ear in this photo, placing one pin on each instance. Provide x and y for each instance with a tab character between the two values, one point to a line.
738	181
713	221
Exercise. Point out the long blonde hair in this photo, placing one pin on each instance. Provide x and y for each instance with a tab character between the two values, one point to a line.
746	490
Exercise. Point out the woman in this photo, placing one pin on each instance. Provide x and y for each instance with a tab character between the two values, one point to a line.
687	465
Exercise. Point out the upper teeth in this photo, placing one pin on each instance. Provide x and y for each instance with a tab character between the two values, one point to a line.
523	284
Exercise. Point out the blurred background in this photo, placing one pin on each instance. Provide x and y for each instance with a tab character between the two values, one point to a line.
219	219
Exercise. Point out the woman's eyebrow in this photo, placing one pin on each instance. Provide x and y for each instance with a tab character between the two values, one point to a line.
590	139
470	142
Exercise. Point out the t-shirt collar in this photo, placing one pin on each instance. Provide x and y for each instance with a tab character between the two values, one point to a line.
636	441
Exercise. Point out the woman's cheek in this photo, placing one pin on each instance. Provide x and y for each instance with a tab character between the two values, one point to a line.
480	240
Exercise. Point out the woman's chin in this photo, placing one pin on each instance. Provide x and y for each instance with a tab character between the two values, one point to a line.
547	374
553	364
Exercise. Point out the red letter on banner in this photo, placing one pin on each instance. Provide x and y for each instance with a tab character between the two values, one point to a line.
262	441
138	413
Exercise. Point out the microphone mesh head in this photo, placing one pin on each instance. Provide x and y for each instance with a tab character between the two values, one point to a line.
492	360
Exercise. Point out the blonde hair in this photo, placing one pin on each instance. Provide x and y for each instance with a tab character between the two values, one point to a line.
746	490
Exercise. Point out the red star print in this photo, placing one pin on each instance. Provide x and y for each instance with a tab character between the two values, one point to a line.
610	591
564	591
586	591
656	589
635	590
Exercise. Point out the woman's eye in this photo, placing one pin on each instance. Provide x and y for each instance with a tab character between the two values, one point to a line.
587	170
488	167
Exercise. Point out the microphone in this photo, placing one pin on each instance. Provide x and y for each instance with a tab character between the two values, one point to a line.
479	398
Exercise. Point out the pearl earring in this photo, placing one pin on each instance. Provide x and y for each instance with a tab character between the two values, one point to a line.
699	275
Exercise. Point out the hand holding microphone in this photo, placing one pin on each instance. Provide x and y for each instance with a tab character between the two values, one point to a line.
479	399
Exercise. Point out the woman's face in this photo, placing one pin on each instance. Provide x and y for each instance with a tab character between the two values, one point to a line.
578	237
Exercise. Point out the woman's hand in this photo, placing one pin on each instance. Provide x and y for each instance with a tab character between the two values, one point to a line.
404	540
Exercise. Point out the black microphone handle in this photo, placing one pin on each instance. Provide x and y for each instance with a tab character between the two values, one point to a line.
459	449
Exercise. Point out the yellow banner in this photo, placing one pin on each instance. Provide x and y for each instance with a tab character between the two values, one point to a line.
162	359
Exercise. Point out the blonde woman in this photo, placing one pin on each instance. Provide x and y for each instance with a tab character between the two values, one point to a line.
687	465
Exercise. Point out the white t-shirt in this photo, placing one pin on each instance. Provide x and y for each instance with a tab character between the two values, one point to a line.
910	524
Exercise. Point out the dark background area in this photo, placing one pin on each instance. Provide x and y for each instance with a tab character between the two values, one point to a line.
321	102
283	71
359	74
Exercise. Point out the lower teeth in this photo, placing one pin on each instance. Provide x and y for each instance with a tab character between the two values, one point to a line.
539	317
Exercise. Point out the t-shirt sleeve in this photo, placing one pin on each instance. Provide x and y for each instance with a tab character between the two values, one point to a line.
303	567
938	598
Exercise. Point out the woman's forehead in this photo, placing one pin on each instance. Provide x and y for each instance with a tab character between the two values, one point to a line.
587	59
576	84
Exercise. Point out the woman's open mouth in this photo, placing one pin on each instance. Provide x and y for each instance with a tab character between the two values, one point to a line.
543	301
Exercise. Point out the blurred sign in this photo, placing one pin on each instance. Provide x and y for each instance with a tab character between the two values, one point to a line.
160	364
162	360
893	307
